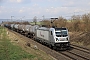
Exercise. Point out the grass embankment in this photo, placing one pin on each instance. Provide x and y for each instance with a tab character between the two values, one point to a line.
8	51
80	38
13	47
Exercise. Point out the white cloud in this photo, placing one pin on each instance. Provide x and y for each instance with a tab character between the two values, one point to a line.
1	6
56	10
12	0
21	11
2	9
19	1
89	3
52	0
35	5
78	10
68	4
0	12
15	1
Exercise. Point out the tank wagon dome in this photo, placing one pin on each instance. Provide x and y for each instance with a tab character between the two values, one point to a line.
16	26
36	26
27	28
12	25
33	28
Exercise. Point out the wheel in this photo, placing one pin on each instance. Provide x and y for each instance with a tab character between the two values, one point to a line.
68	48
54	47
50	46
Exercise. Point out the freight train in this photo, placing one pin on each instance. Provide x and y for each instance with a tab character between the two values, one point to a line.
53	37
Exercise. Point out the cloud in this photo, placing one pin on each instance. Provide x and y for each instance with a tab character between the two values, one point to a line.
35	5
89	3
78	10
21	11
48	8
12	0
15	1
19	1
2	8
56	10
71	3
0	11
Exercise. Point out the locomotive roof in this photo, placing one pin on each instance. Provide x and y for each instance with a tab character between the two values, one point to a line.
44	28
60	28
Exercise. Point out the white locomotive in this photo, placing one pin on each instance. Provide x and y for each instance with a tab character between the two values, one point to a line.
54	37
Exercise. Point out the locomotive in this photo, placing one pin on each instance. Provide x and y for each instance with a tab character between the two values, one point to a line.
53	37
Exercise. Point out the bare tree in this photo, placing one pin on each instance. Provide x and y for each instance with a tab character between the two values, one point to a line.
86	20
46	23
76	22
60	22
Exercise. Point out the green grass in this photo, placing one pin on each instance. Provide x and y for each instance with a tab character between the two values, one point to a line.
38	23
8	51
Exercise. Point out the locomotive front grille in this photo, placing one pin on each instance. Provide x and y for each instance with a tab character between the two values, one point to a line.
62	44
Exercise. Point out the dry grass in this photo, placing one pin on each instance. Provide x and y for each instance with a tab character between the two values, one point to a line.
80	38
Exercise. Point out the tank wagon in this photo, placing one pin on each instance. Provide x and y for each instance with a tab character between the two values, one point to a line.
16	27
27	30
30	30
54	37
8	25
12	26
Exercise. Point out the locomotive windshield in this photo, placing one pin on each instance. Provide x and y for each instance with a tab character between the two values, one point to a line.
61	32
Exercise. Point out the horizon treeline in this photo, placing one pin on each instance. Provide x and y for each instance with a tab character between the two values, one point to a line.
77	23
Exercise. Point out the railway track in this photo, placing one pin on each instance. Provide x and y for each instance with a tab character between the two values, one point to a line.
75	53
84	48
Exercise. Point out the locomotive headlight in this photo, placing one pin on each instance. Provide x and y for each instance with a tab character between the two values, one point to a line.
56	39
23	29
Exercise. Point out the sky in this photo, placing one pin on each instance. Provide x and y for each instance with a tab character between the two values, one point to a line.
28	9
